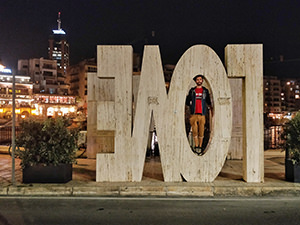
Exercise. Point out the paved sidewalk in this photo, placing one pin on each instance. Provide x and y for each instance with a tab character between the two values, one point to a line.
228	183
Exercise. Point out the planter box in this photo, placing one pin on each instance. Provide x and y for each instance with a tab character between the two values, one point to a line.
292	172
61	173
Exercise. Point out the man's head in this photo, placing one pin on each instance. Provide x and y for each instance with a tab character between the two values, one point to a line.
198	79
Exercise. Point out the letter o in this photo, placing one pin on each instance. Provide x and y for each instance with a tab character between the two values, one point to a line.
199	59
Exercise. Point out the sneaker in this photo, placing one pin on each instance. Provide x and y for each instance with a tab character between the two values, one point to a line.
198	150
202	151
194	149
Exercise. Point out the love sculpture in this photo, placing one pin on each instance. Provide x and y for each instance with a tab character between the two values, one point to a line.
118	123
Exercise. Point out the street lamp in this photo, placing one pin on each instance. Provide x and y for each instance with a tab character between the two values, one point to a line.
13	128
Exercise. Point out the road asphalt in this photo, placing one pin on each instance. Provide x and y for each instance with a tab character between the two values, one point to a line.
229	182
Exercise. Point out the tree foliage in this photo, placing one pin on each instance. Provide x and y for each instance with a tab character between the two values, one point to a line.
291	136
49	142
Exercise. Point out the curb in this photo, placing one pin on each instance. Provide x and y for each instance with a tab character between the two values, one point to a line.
228	189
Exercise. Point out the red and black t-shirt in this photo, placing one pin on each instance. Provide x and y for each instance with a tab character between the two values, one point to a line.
199	93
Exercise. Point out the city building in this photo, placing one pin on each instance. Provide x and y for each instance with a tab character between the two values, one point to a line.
43	73
59	49
77	77
281	95
23	90
272	95
290	94
281	98
40	85
40	104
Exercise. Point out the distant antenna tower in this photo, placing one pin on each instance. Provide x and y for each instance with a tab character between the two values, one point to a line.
59	21
59	30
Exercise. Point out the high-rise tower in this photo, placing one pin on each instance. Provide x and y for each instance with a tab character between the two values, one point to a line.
59	49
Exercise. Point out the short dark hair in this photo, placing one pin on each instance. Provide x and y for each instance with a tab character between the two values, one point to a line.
199	75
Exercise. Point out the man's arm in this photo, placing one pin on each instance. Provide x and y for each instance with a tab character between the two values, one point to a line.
188	98
209	103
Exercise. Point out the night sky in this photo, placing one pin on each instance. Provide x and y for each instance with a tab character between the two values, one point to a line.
25	26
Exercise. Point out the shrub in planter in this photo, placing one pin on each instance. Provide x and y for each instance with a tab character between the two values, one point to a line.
291	137
46	143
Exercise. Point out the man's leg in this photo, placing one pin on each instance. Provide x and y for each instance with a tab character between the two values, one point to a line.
201	129
194	125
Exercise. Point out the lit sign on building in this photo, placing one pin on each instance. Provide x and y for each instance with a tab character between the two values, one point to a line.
59	31
4	70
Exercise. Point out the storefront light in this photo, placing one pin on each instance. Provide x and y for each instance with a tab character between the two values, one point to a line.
64	110
33	111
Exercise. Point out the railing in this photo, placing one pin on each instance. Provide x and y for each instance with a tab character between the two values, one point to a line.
6	134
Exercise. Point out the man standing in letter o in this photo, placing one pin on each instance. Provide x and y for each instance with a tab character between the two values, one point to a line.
199	102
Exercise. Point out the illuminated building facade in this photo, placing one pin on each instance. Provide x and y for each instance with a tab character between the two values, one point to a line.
54	105
28	102
23	87
59	49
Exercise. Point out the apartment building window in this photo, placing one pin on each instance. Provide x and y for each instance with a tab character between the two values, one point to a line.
48	73
48	66
52	90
